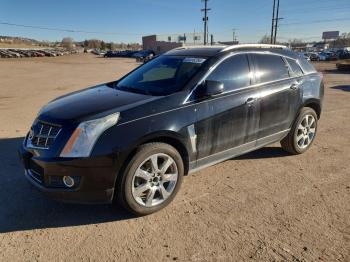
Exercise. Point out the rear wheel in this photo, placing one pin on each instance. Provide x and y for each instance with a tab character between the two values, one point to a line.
151	179
302	133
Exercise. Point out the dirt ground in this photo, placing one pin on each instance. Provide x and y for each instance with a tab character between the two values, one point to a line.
263	206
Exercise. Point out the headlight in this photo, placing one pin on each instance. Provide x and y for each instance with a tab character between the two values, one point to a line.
83	139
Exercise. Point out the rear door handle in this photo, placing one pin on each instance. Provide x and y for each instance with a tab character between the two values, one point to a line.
295	86
250	101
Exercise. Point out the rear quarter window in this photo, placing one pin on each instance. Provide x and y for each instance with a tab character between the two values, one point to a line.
270	68
307	67
296	70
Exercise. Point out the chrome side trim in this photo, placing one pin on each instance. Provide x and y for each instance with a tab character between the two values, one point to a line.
213	67
186	102
239	150
193	137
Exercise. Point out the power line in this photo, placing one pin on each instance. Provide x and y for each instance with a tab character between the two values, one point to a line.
315	9
316	21
67	30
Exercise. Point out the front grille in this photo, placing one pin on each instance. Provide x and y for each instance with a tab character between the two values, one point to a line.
43	134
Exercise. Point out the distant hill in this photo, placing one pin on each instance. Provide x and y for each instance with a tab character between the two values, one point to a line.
19	42
15	41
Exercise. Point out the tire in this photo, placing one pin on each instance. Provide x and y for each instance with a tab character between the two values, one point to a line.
303	132
146	187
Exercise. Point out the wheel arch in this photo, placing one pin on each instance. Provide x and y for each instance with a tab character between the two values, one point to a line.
314	104
168	137
172	139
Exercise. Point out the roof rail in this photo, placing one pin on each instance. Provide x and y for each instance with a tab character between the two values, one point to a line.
232	47
198	46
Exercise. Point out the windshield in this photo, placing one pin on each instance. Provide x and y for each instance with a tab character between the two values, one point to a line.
161	76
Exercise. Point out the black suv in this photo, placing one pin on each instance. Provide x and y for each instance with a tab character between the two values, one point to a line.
134	139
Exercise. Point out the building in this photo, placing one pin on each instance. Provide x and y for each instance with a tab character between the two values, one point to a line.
165	42
321	46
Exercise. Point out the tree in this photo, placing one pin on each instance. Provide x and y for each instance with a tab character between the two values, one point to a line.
265	40
103	45
67	42
94	43
342	41
111	46
86	43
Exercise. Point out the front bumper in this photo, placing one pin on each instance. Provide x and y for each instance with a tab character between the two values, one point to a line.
95	176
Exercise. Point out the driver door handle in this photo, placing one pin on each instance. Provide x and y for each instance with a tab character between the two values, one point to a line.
250	101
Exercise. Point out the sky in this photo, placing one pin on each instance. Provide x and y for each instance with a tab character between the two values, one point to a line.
129	20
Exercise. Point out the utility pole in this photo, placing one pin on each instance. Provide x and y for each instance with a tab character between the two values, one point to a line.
273	21
205	19
233	35
276	21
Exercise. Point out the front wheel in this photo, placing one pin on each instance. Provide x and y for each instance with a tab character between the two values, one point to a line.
151	179
302	133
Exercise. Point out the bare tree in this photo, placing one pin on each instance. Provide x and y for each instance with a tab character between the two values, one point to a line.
94	43
103	45
67	42
342	41
265	40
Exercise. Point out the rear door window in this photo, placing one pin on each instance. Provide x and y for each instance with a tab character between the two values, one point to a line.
233	72
270	68
296	70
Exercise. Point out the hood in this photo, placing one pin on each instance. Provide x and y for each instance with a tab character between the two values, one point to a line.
89	102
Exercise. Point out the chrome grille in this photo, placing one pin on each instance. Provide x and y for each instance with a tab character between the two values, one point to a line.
42	134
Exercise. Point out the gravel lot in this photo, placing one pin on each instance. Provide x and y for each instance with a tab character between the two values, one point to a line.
264	206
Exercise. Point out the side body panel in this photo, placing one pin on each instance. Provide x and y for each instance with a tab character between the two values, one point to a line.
226	121
279	102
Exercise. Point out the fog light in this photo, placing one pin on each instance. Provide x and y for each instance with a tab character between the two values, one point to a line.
68	181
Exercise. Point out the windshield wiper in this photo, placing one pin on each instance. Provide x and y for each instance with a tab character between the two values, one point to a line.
135	90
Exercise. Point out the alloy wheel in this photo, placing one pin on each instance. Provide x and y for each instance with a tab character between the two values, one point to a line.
306	131
154	180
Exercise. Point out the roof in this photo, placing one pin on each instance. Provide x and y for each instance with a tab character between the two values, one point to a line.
209	51
196	51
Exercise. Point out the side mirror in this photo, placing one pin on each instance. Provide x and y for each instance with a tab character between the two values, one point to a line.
213	88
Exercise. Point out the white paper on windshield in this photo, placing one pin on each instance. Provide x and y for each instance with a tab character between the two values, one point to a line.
194	60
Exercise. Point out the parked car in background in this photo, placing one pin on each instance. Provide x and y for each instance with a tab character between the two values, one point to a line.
124	53
144	56
17	53
343	54
328	56
110	54
343	66
304	55
314	56
98	52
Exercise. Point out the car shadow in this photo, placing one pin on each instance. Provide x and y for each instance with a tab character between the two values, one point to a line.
263	153
345	88
335	71
22	207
